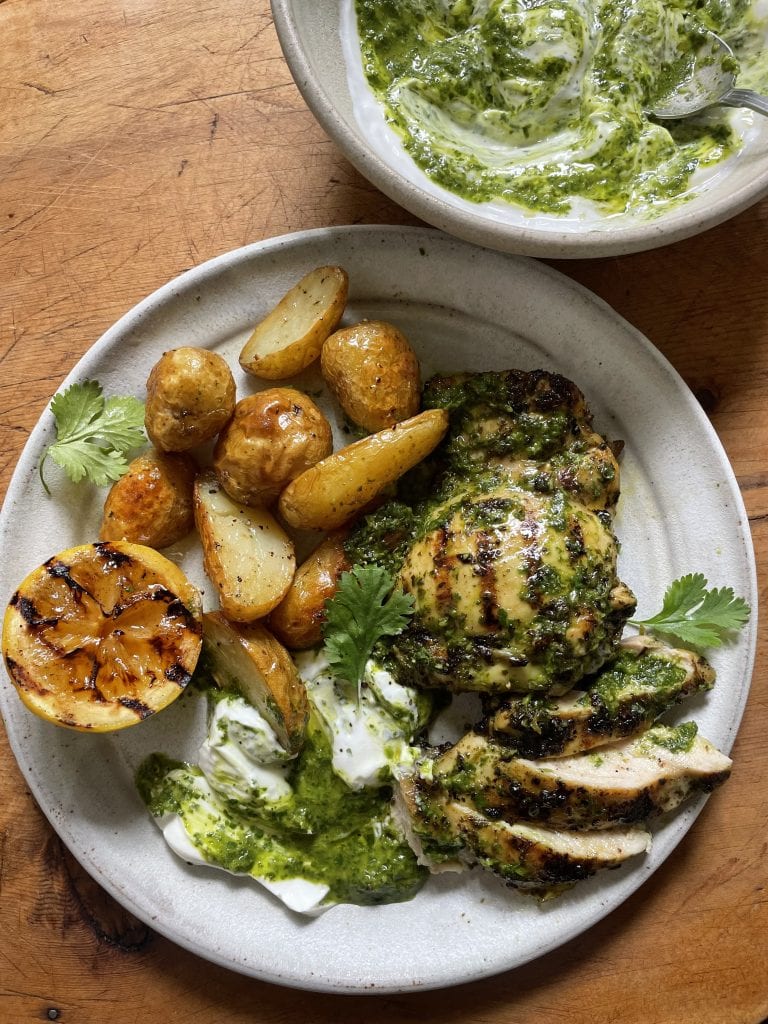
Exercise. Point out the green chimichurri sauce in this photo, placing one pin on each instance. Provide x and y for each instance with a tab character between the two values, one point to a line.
322	831
538	103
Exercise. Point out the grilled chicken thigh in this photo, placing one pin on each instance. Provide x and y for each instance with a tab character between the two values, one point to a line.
504	539
623	783
513	564
625	697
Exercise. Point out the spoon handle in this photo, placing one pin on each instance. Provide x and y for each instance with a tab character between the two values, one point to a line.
745	98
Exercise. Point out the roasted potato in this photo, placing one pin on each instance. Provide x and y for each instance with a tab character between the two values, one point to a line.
248	659
329	494
272	438
373	372
190	396
291	336
246	553
152	503
298	619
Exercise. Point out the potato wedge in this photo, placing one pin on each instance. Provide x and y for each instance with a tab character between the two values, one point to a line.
329	494
290	337
246	553
298	619
246	657
373	372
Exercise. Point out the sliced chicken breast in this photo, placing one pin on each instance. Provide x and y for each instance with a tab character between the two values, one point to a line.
447	834
645	680
623	783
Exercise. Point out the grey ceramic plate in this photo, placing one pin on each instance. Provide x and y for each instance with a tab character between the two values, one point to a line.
320	45
462	307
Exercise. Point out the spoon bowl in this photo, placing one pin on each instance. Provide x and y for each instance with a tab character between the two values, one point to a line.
703	78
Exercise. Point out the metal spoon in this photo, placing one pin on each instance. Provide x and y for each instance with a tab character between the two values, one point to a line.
702	79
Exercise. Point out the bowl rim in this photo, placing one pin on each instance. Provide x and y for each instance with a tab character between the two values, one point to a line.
680	224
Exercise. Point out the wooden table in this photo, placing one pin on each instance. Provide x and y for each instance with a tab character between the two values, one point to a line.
141	137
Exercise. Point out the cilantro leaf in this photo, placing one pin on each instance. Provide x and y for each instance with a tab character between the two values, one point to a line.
93	434
363	610
694	615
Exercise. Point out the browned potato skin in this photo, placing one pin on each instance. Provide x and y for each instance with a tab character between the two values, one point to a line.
272	685
290	337
272	438
190	396
298	620
373	372
332	492
152	503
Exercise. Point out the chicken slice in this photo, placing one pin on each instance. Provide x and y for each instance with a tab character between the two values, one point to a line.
525	855
644	681
623	783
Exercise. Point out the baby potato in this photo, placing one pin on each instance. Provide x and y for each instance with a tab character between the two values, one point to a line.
190	396
152	503
246	658
298	619
373	372
290	337
246	553
273	437
332	492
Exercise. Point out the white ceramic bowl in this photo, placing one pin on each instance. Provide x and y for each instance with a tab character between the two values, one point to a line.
320	44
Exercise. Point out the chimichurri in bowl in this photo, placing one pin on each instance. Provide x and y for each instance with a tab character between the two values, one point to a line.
523	126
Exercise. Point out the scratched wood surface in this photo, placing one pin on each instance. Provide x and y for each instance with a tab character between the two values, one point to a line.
141	137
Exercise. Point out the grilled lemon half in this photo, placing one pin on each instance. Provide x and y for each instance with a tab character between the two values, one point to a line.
102	636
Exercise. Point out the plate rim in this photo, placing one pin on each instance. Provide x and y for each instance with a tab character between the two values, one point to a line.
679	224
196	276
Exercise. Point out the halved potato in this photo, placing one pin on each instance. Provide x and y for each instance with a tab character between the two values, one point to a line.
329	494
292	335
298	619
248	659
246	553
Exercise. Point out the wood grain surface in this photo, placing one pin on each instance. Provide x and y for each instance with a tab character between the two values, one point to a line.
139	138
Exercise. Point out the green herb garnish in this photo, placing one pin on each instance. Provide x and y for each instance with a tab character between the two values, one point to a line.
364	610
694	615
93	434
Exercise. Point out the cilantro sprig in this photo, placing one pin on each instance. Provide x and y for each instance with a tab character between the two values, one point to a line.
364	610
93	434
695	615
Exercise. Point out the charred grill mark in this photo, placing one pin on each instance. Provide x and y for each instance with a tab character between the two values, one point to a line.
179	610
22	678
60	571
30	614
575	541
485	567
112	558
442	570
178	674
139	708
91	682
